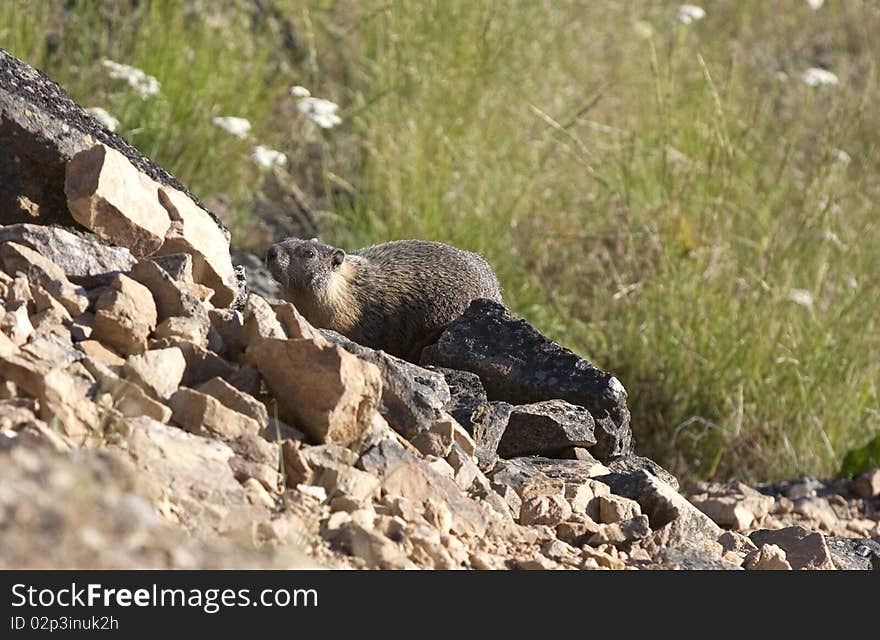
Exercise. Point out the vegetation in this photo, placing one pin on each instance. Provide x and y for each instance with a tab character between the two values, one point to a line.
674	201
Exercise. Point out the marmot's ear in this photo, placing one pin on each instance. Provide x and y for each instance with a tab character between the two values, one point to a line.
337	257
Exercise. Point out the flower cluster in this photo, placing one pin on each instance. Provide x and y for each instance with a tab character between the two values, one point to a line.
146	85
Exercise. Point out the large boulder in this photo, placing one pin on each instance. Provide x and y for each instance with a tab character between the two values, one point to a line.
517	364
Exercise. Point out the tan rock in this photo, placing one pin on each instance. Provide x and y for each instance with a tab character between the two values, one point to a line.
602	559
157	371
294	324
236	400
44	301
62	395
867	485
15	322
108	195
549	510
184	328
19	258
194	231
82	326
340	480
329	393
622	532
738	511
265	474
436	440
125	315
99	352
803	549
617	508
126	397
733	541
577	533
260	321
200	413
170	296
768	558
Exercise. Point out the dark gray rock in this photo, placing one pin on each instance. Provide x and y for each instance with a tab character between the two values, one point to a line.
854	554
546	428
79	254
413	398
258	277
466	395
518	365
489	423
692	559
626	465
384	456
519	472
661	502
41	128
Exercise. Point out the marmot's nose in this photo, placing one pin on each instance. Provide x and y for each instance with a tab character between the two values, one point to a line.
272	254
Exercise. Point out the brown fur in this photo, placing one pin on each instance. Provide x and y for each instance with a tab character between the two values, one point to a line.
396	296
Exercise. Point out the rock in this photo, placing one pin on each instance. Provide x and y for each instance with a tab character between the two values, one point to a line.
768	558
125	314
294	324
733	541
194	231
602	559
236	400
803	549
489	423
328	392
190	477
19	258
854	554
518	365
684	534
340	480
413	398
108	195
466	394
61	391
584	497
127	397
577	533
628	464
520	473
179	266
867	485
387	454
737	506
244	470
661	503
418	482
78	255
259	321
100	353
15	322
157	371
549	510
170	297
376	550
682	558
616	509
546	428
41	128
177	328
200	413
818	512
622	532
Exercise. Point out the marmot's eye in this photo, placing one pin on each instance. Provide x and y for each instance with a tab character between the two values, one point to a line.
309	254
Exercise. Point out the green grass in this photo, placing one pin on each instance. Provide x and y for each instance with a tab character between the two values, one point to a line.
651	201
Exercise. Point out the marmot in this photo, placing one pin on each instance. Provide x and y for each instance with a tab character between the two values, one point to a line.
397	296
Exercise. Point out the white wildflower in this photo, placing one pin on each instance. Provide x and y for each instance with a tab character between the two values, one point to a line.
300	92
834	239
815	5
688	13
801	297
144	84
267	158
814	76
238	127
842	156
852	283
321	112
643	29
101	115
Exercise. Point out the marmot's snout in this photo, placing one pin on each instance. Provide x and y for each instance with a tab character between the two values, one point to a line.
277	262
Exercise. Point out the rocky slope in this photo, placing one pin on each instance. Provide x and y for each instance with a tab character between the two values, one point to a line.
153	413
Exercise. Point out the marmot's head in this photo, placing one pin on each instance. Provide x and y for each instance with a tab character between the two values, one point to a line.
304	266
